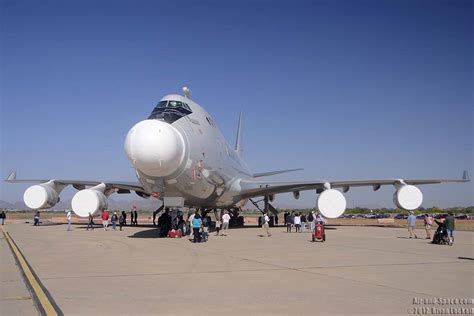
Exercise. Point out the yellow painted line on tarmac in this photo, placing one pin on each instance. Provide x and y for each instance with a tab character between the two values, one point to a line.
47	306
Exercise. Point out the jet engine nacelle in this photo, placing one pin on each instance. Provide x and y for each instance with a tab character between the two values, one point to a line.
296	194
88	201
41	196
408	197
331	203
271	197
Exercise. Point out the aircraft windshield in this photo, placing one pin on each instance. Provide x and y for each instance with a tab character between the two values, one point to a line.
170	111
172	104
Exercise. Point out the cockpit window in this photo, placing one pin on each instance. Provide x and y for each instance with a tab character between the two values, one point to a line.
162	104
173	104
170	110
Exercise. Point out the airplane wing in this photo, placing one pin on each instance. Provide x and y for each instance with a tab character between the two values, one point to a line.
121	186
268	188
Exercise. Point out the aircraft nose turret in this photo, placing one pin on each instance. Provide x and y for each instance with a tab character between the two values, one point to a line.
154	147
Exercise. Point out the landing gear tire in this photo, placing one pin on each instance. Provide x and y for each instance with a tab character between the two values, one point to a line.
313	239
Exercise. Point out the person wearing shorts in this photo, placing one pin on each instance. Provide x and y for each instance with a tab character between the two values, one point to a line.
449	222
225	223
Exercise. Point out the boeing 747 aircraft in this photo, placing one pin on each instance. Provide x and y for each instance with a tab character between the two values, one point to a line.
181	158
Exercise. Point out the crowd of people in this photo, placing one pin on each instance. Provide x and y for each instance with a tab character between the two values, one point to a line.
198	224
449	225
301	221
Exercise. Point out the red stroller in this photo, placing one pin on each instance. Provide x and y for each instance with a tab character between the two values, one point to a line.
318	233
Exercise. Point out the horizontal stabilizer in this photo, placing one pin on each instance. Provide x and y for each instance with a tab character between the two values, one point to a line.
272	173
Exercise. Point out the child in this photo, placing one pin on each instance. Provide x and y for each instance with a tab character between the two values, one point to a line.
218	226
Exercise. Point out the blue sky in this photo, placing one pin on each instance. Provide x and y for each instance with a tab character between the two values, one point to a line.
343	89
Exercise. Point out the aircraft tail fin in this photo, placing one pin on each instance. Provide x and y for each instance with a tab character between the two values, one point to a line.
272	173
238	139
11	176
465	176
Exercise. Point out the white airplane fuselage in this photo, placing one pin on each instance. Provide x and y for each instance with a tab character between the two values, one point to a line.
187	158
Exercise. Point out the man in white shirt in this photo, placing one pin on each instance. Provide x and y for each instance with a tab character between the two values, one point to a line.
225	223
265	225
297	222
69	219
190	219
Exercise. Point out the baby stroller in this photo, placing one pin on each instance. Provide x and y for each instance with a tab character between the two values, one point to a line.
204	234
441	235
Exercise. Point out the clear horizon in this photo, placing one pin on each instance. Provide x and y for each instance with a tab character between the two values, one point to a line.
345	90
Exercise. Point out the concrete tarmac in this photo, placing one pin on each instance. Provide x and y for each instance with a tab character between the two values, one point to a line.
358	270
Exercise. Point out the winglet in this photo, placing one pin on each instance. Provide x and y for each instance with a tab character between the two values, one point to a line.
11	176
465	176
238	139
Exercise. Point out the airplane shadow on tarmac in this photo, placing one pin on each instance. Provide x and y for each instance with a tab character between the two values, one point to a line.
149	233
154	232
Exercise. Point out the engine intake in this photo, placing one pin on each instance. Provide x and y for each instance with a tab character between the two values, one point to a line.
331	203
408	197
88	201
41	196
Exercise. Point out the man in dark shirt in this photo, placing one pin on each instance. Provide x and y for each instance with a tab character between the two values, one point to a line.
136	216
131	218
124	216
449	222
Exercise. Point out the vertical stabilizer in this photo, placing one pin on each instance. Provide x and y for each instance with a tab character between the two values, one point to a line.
238	139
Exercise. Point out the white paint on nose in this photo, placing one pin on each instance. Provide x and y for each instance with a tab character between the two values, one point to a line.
154	147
